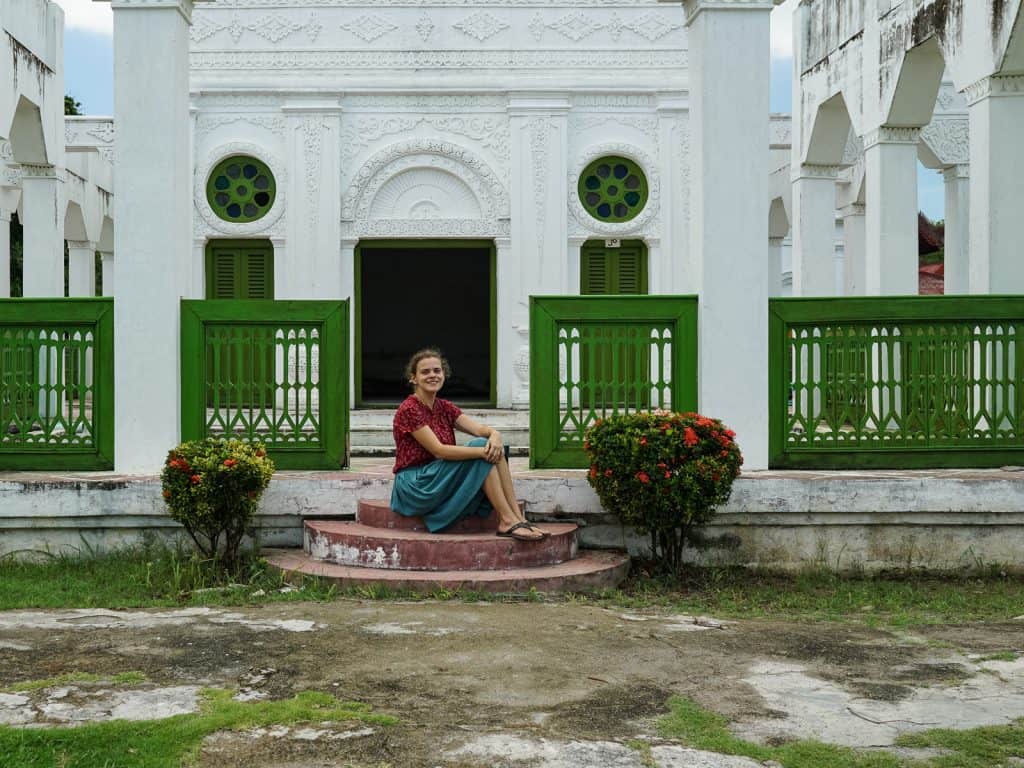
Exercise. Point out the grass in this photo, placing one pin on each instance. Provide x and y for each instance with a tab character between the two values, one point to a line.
121	678
166	577
975	748
169	743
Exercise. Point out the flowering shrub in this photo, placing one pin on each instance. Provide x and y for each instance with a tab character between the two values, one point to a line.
212	487
663	473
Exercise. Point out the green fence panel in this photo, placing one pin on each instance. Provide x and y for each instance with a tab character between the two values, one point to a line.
594	356
896	382
57	384
273	372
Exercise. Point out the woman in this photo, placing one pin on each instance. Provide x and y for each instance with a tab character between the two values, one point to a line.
442	482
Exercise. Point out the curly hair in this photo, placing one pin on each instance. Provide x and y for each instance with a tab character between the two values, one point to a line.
423	354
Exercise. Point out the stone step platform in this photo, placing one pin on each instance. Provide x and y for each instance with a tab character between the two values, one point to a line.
365	546
376	513
591	571
370	429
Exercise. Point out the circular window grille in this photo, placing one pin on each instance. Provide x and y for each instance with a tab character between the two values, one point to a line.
241	189
613	189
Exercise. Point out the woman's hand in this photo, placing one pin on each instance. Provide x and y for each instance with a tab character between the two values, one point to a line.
494	449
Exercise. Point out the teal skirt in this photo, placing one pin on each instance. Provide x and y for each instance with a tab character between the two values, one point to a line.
443	492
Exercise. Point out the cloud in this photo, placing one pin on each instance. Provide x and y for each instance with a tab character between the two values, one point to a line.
88	15
782	30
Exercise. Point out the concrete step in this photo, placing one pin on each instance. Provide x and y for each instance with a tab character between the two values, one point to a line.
370	429
377	513
591	571
362	545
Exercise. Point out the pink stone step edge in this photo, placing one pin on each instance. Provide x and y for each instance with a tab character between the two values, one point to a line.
357	545
592	570
377	513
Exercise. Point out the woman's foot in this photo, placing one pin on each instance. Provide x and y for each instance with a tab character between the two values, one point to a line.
523	531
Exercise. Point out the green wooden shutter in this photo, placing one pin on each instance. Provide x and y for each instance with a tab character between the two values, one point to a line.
593	272
240	270
613	270
631	271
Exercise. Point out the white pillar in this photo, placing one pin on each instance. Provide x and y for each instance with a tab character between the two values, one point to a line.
775	266
853	249
729	212
575	259
81	268
996	112
153	163
512	366
659	277
5	253
42	196
957	230
674	272
890	222
814	228
107	266
346	290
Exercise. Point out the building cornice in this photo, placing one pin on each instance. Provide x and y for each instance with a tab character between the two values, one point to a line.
184	7
994	87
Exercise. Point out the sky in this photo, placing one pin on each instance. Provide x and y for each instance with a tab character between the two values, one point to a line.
89	66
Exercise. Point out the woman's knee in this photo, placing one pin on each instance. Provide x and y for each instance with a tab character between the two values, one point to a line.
477	442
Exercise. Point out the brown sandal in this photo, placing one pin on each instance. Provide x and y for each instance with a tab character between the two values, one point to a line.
511	533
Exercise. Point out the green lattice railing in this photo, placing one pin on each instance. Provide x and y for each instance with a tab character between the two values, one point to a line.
896	382
57	384
593	356
274	372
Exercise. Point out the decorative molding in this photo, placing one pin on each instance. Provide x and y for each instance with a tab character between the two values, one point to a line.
539	128
6	151
853	209
949	140
369	27
651	26
575	26
271	27
694	8
957	172
214	224
105	132
435	60
82	245
439	228
39	171
425	153
312	130
812	171
440	102
536	26
994	87
209	123
854	149
651	169
887	134
480	26
648	125
424	27
780	134
489	132
184	7
432	3
614	100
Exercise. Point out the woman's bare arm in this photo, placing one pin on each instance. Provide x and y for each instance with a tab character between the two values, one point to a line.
425	436
470	426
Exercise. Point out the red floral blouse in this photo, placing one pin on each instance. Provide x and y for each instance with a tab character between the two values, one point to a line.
413	414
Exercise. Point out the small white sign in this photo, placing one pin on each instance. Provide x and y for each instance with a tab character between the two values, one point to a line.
613	242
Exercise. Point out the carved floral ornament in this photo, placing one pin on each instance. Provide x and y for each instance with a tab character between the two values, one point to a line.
436	154
638	156
202	173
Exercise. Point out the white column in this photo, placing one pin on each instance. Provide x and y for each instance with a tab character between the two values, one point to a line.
674	270
346	290
153	163
512	362
814	225
890	221
107	267
729	212
5	253
853	249
658	272
775	266
574	259
81	268
958	230
42	197
996	113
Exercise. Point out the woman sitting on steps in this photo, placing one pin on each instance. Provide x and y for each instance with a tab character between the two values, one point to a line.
442	482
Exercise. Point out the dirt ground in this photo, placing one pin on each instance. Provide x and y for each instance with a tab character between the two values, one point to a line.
493	684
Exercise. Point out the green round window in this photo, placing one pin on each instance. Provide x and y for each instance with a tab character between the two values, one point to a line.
613	189
241	189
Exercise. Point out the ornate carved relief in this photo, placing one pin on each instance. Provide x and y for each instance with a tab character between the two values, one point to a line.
613	100
539	129
536	26
438	102
6	151
271	27
215	224
490	132
1003	85
949	140
480	25
435	155
646	125
369	27
424	27
208	123
652	26
105	132
439	228
854	149
425	193
312	129
650	168
888	135
575	26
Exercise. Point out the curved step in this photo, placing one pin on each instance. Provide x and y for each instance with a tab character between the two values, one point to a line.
593	570
355	544
377	513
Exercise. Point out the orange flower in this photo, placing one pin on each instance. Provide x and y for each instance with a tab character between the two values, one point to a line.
643	441
690	438
593	471
230	462
643	477
167	494
668	475
196	479
607	473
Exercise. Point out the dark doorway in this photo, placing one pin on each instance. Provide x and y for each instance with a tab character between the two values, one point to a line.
412	295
